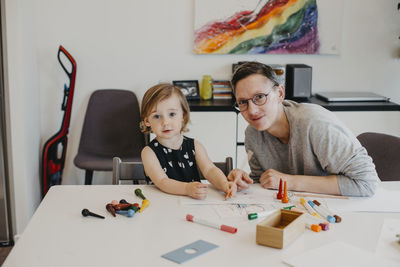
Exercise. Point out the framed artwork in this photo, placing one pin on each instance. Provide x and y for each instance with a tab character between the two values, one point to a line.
268	26
190	88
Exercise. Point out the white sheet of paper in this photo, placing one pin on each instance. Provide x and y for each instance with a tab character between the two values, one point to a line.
383	201
338	254
239	210
388	244
254	195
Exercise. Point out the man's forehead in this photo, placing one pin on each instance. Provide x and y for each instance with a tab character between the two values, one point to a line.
253	89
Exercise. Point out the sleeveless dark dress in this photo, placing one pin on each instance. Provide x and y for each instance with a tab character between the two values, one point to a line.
178	164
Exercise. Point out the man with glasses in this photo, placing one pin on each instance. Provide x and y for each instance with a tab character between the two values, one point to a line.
302	143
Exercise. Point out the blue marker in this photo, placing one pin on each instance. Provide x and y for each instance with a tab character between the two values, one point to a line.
128	213
321	212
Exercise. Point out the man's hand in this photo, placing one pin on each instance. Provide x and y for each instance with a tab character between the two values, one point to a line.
270	178
241	178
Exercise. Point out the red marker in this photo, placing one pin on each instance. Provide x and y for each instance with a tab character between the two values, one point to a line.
279	194
222	227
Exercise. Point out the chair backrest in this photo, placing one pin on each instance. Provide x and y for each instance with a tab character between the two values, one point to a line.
385	152
111	128
225	166
134	170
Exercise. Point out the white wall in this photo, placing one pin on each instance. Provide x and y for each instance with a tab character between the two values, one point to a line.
134	44
23	103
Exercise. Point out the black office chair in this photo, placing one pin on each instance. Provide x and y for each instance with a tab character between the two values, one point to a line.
111	128
385	152
134	170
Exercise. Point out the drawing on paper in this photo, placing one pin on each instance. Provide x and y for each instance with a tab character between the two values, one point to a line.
237	210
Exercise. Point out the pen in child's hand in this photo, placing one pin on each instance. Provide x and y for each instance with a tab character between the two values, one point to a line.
229	192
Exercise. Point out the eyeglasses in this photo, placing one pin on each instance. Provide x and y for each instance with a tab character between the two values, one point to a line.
258	99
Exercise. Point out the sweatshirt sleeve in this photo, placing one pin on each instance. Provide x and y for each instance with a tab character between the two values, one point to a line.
255	167
340	153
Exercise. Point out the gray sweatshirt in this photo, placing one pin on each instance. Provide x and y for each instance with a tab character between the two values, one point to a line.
319	145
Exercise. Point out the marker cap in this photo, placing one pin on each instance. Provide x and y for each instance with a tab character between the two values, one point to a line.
324	226
338	218
189	217
330	219
316	228
228	229
252	216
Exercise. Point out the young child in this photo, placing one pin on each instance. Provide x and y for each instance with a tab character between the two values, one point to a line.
171	159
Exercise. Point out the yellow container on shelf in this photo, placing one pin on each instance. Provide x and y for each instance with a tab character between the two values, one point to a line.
206	87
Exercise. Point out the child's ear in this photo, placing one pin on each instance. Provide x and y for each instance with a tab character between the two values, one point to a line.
146	122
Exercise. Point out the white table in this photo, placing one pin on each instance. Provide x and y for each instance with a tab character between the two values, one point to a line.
58	235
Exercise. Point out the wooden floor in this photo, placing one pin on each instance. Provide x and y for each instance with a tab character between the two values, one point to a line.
3	253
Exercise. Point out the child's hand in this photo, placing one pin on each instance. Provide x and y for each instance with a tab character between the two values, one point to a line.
196	190
231	191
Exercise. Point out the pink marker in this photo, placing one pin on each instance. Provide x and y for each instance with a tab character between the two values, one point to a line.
222	227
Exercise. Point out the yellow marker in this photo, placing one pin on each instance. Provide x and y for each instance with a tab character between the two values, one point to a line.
145	203
309	208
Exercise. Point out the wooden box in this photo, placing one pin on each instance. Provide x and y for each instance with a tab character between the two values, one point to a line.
280	228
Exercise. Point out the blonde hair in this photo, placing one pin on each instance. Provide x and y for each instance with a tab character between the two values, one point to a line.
157	94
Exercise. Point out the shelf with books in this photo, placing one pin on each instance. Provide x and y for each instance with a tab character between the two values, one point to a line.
222	89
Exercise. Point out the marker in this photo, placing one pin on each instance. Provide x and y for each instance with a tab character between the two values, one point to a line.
325	215
139	193
289	207
86	212
122	206
298	210
309	208
325	226
317	221
110	209
125	206
253	216
313	227
314	219
279	194
285	198
145	203
228	193
337	217
222	227
127	213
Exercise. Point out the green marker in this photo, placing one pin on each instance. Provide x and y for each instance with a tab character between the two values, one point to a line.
289	208
133	207
253	216
139	193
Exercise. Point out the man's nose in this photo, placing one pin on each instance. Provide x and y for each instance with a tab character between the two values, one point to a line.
251	107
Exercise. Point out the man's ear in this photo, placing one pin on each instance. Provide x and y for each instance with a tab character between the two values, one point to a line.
146	122
281	92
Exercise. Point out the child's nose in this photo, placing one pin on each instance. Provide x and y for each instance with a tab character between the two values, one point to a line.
165	121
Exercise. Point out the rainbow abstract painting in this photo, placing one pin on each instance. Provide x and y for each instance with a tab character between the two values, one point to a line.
265	27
